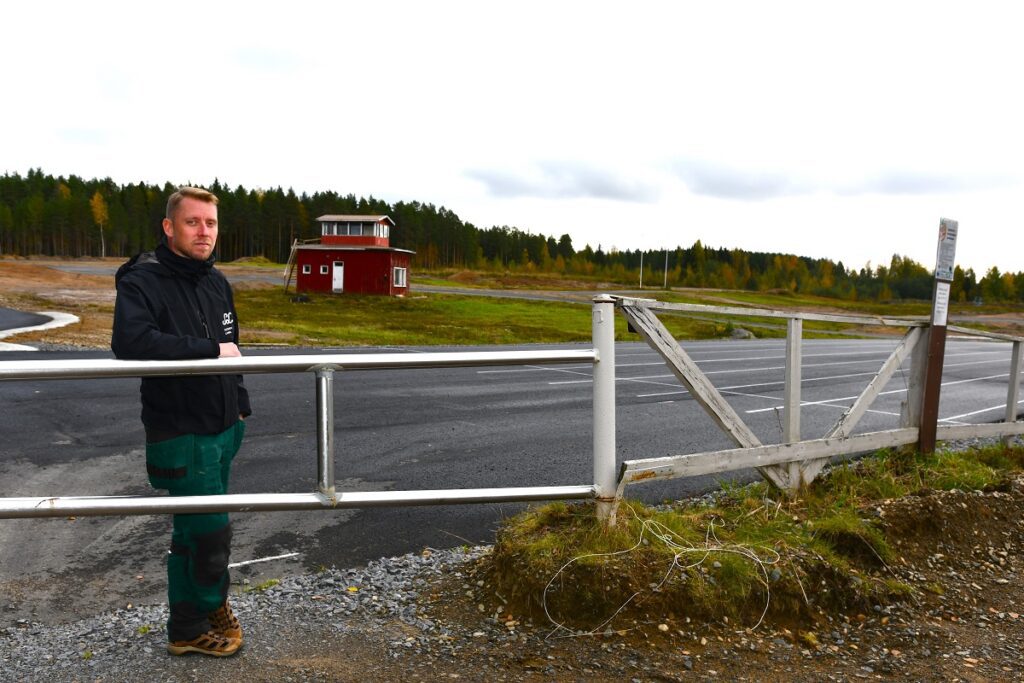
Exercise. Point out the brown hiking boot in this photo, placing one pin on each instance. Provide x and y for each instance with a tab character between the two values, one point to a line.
209	643
224	622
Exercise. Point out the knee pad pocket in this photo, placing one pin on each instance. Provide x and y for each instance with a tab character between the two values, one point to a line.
210	561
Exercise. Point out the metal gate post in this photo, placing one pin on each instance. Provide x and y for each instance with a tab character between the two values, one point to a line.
325	431
605	479
791	426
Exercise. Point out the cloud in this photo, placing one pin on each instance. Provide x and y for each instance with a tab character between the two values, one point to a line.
564	180
727	182
916	183
263	59
83	136
714	180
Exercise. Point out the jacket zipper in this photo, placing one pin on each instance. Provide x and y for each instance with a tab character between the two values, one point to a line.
202	320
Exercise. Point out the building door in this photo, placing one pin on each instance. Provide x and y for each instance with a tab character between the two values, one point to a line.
338	277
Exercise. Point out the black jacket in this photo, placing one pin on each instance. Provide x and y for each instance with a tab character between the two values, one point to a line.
173	308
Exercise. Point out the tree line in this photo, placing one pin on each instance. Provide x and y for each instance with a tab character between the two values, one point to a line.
75	217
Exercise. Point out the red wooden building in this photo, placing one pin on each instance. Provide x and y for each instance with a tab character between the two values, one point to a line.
353	255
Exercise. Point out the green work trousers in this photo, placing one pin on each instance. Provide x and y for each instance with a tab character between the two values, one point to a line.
197	565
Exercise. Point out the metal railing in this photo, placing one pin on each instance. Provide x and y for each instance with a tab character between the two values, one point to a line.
324	367
787	464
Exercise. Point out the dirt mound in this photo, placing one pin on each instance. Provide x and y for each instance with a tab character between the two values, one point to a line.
958	551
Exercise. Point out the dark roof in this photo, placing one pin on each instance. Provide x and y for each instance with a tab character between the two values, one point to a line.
344	247
346	218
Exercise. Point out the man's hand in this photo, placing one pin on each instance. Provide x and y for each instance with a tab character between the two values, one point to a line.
229	350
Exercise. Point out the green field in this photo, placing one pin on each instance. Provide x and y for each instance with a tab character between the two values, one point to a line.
427	320
423	319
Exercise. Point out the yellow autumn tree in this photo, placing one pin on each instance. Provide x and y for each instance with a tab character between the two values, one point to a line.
100	215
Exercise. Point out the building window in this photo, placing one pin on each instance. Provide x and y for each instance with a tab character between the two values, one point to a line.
400	277
306	269
323	270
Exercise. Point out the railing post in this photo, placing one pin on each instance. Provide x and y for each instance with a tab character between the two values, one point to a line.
605	478
791	426
1013	393
325	431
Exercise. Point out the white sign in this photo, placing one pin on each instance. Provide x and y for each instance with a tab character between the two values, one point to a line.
940	309
946	253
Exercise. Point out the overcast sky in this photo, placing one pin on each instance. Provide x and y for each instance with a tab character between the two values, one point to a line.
843	130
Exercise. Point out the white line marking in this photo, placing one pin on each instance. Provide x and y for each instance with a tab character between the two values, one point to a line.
740	393
262	559
882	393
766	384
1001	406
974	379
5	346
57	319
535	368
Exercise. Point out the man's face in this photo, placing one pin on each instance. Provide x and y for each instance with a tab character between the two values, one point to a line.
192	232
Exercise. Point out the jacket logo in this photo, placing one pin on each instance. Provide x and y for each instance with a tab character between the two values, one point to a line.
228	319
228	324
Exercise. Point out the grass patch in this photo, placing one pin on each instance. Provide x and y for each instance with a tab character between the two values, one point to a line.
428	320
261	587
749	553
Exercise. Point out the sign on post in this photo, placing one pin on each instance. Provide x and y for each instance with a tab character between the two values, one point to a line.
945	258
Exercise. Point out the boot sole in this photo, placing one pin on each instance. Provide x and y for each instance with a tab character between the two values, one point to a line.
178	650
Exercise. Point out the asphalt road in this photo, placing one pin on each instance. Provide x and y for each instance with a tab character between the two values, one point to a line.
11	319
395	430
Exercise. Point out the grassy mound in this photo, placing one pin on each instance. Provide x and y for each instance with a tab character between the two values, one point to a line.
255	261
744	554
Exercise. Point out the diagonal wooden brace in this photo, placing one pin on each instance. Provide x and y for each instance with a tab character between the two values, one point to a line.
844	427
700	387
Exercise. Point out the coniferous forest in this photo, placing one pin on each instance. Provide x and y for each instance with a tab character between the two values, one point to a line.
73	217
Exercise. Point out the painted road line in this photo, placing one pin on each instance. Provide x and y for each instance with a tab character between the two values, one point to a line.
5	346
262	559
758	384
536	368
825	402
57	319
1001	406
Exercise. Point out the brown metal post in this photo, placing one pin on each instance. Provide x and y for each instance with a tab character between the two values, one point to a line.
932	386
937	335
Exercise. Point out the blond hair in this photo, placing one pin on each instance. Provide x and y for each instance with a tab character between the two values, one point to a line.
193	193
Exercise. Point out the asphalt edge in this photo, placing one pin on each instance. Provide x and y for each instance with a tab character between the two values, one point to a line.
57	319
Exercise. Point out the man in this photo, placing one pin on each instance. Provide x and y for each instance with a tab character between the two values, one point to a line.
172	304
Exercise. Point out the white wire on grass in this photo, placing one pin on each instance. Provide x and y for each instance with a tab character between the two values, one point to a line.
679	548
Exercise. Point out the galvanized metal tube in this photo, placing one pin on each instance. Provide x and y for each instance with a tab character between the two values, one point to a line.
605	478
791	423
21	508
325	431
95	368
14	508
